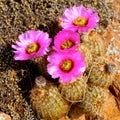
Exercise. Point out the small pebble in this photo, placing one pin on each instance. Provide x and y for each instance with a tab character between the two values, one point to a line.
4	116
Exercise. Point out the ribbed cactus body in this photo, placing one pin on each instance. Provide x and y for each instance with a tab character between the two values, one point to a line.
100	73
94	42
94	100
87	54
47	102
73	91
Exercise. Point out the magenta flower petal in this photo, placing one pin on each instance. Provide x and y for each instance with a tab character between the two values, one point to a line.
79	19
66	66
66	40
31	44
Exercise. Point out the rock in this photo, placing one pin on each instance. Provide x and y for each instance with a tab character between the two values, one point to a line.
4	116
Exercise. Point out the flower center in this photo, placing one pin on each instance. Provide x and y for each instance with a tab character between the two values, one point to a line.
67	44
80	21
33	47
66	65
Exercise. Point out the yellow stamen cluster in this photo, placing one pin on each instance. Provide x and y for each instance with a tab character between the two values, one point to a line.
67	44
80	21
33	47
66	65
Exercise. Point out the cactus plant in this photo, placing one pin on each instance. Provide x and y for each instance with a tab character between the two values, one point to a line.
87	54
94	101
75	90
46	100
102	72
94	42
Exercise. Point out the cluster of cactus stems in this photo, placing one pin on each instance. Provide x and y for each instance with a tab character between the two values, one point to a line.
87	94
77	60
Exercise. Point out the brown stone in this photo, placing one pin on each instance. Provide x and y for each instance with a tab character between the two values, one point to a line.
110	108
76	114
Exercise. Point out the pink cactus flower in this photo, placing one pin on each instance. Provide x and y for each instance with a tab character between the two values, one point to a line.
66	66
31	44
79	19
66	40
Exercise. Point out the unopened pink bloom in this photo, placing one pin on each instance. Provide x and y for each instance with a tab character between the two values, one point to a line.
66	66
66	40
79	19
31	44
